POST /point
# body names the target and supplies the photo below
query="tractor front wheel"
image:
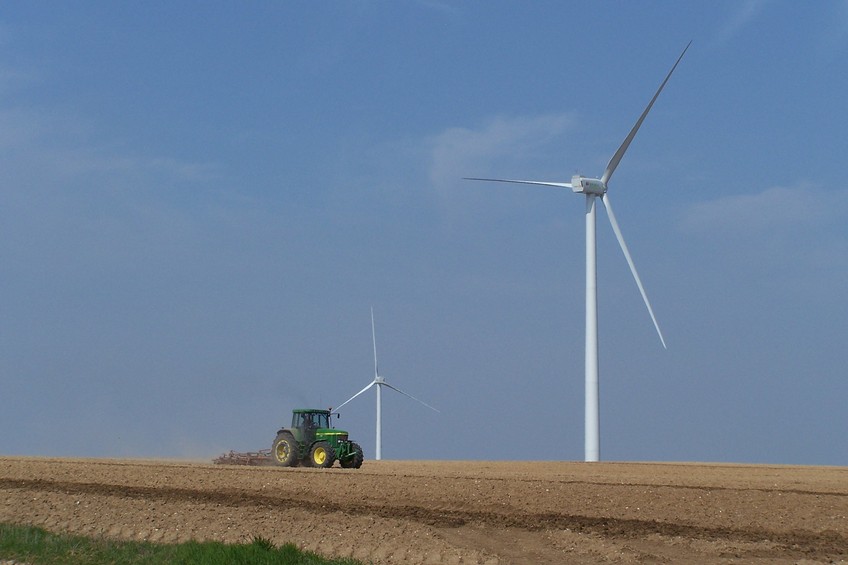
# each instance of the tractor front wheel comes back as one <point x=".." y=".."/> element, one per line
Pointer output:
<point x="354" y="461"/>
<point x="284" y="450"/>
<point x="322" y="455"/>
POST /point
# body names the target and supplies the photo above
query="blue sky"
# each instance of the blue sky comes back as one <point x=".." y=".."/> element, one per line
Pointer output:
<point x="199" y="204"/>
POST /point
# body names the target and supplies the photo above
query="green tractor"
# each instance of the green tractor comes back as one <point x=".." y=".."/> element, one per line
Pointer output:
<point x="313" y="442"/>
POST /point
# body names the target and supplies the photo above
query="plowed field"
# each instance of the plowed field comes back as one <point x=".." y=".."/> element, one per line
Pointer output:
<point x="451" y="512"/>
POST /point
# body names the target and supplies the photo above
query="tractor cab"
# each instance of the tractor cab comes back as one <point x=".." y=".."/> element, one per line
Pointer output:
<point x="310" y="419"/>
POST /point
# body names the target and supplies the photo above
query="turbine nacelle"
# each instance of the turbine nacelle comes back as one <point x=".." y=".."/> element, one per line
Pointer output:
<point x="588" y="186"/>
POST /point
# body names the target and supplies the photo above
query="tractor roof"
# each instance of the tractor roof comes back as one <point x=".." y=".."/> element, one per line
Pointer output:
<point x="310" y="410"/>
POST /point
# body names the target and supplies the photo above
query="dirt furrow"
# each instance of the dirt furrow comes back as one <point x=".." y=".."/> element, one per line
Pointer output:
<point x="798" y="543"/>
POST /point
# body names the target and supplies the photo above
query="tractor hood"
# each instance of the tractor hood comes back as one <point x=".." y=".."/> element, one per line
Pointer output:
<point x="331" y="433"/>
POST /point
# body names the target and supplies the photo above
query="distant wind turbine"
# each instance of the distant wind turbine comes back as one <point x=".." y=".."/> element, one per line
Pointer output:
<point x="380" y="382"/>
<point x="593" y="188"/>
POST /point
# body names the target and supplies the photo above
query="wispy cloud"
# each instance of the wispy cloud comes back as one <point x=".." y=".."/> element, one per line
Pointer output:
<point x="65" y="144"/>
<point x="65" y="147"/>
<point x="775" y="208"/>
<point x="745" y="13"/>
<point x="459" y="152"/>
<point x="19" y="128"/>
<point x="85" y="161"/>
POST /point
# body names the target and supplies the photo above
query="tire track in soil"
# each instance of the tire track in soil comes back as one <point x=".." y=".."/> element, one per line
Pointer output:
<point x="796" y="543"/>
<point x="698" y="488"/>
<point x="518" y="479"/>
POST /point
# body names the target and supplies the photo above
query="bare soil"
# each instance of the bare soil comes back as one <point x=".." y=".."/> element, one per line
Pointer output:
<point x="451" y="512"/>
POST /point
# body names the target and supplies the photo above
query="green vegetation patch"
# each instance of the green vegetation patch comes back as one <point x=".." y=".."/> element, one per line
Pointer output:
<point x="31" y="545"/>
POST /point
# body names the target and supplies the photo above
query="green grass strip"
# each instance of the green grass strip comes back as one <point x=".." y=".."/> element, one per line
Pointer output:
<point x="31" y="545"/>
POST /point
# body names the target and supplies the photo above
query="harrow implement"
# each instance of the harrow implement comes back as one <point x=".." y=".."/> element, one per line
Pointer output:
<point x="254" y="458"/>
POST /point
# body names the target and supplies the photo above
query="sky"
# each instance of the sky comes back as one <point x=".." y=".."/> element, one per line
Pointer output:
<point x="200" y="203"/>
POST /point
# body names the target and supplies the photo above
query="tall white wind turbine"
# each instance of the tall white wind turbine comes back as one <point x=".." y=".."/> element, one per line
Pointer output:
<point x="380" y="382"/>
<point x="597" y="188"/>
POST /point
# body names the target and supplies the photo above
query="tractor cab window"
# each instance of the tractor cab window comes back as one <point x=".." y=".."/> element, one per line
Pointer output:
<point x="309" y="420"/>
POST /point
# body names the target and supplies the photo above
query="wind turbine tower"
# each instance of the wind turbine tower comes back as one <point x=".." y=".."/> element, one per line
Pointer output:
<point x="594" y="189"/>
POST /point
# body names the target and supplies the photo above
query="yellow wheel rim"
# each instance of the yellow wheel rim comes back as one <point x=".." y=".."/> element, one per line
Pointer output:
<point x="319" y="456"/>
<point x="282" y="451"/>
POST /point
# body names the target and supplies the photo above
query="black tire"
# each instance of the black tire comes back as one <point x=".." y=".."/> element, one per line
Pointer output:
<point x="354" y="462"/>
<point x="322" y="455"/>
<point x="284" y="450"/>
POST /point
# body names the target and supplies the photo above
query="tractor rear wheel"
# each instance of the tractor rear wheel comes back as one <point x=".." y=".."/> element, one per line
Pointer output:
<point x="354" y="462"/>
<point x="284" y="450"/>
<point x="322" y="455"/>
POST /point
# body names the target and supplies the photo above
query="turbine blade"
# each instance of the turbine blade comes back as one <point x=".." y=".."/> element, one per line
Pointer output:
<point x="374" y="341"/>
<point x="537" y="182"/>
<point x="384" y="383"/>
<point x="611" y="166"/>
<point x="355" y="395"/>
<point x="627" y="256"/>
